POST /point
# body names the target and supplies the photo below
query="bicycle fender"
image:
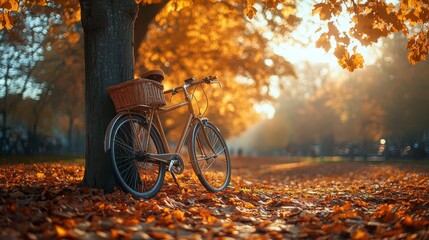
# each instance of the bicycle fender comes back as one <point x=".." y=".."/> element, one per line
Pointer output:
<point x="206" y="120"/>
<point x="109" y="131"/>
<point x="110" y="128"/>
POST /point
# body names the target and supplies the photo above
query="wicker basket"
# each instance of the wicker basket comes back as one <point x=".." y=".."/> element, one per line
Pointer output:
<point x="138" y="92"/>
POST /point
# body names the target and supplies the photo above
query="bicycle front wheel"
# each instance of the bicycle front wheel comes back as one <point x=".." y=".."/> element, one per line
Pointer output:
<point x="129" y="144"/>
<point x="210" y="157"/>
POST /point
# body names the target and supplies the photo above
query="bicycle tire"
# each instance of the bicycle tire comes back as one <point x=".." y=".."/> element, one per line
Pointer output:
<point x="142" y="179"/>
<point x="214" y="173"/>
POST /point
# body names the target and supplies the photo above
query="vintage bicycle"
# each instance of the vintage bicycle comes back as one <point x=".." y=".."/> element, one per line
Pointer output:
<point x="137" y="145"/>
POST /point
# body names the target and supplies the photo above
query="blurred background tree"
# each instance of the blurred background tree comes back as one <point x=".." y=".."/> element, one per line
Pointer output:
<point x="229" y="46"/>
<point x="30" y="45"/>
<point x="349" y="114"/>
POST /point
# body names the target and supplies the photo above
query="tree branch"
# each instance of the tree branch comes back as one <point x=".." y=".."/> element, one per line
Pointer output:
<point x="147" y="13"/>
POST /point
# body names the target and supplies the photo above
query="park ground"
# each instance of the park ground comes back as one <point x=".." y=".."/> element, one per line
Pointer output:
<point x="268" y="198"/>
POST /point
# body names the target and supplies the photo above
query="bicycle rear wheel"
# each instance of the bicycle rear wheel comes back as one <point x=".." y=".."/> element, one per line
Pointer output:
<point x="128" y="141"/>
<point x="212" y="168"/>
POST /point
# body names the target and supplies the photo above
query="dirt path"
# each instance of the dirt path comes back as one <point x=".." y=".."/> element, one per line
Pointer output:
<point x="239" y="162"/>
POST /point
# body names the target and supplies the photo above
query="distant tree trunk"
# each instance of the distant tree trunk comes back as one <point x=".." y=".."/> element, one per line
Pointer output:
<point x="70" y="131"/>
<point x="108" y="34"/>
<point x="3" y="123"/>
<point x="5" y="103"/>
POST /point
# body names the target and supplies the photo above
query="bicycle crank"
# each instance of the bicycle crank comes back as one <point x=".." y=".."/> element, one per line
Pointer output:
<point x="176" y="165"/>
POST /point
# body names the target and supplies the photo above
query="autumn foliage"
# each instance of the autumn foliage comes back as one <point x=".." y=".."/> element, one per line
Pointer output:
<point x="276" y="200"/>
<point x="349" y="23"/>
<point x="354" y="23"/>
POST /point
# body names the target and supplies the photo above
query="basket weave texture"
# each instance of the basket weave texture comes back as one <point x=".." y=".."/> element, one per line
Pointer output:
<point x="138" y="92"/>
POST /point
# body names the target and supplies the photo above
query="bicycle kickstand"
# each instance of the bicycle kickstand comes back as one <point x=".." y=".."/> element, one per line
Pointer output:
<point x="175" y="180"/>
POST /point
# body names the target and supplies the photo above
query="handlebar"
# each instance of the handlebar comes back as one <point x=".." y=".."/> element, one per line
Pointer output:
<point x="208" y="80"/>
<point x="191" y="82"/>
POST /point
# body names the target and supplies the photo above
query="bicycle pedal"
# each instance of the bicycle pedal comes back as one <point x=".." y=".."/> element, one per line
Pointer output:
<point x="171" y="165"/>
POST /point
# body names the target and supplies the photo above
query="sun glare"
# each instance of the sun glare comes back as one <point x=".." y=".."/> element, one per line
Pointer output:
<point x="301" y="49"/>
<point x="266" y="110"/>
<point x="298" y="54"/>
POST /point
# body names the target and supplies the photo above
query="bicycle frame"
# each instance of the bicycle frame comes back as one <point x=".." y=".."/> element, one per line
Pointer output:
<point x="192" y="118"/>
<point x="154" y="121"/>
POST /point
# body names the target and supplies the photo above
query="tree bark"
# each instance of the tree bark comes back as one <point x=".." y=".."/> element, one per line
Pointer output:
<point x="108" y="35"/>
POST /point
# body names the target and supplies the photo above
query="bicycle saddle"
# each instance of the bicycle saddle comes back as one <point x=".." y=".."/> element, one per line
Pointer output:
<point x="157" y="75"/>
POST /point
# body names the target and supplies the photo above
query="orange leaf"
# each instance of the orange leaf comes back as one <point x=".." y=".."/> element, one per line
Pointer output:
<point x="8" y="21"/>
<point x="179" y="215"/>
<point x="360" y="234"/>
<point x="205" y="213"/>
<point x="131" y="222"/>
<point x="150" y="219"/>
<point x="160" y="235"/>
<point x="323" y="9"/>
<point x="323" y="42"/>
<point x="408" y="221"/>
<point x="250" y="12"/>
<point x="207" y="217"/>
<point x="335" y="227"/>
<point x="63" y="233"/>
<point x="11" y="5"/>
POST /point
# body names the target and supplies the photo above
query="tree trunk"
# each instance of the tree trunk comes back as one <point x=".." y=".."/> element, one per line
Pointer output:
<point x="108" y="34"/>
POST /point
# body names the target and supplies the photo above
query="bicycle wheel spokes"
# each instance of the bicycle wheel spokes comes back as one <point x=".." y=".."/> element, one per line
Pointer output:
<point x="129" y="139"/>
<point x="211" y="158"/>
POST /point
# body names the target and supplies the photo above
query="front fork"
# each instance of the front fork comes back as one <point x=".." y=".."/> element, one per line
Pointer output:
<point x="202" y="122"/>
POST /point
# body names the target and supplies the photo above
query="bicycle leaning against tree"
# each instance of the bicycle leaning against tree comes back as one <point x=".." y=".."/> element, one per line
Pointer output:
<point x="136" y="144"/>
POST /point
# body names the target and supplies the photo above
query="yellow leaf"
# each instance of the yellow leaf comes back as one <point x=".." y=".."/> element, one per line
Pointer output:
<point x="413" y="3"/>
<point x="40" y="175"/>
<point x="249" y="205"/>
<point x="358" y="60"/>
<point x="61" y="232"/>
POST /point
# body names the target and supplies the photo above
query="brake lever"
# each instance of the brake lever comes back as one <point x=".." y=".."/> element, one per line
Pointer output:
<point x="217" y="82"/>
<point x="174" y="91"/>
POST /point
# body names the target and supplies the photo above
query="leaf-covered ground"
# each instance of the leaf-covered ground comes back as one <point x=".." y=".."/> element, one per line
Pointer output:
<point x="267" y="199"/>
